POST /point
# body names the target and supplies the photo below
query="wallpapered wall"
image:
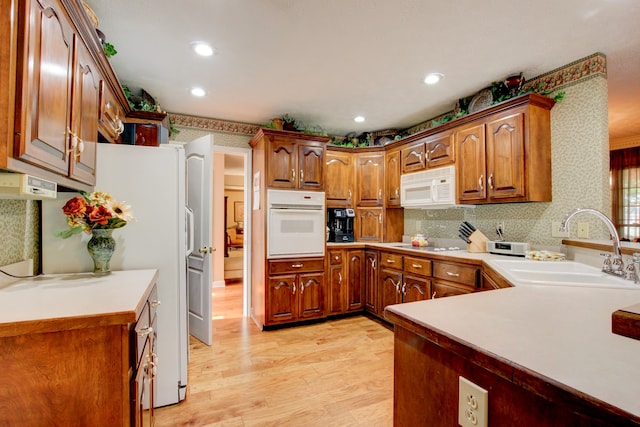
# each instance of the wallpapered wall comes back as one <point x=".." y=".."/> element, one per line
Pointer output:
<point x="20" y="231"/>
<point x="580" y="176"/>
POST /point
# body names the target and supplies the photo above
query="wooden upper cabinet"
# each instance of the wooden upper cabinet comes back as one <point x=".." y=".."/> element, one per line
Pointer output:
<point x="471" y="167"/>
<point x="111" y="115"/>
<point x="339" y="179"/>
<point x="392" y="159"/>
<point x="369" y="225"/>
<point x="294" y="163"/>
<point x="44" y="90"/>
<point x="440" y="149"/>
<point x="370" y="178"/>
<point x="414" y="157"/>
<point x="84" y="114"/>
<point x="506" y="155"/>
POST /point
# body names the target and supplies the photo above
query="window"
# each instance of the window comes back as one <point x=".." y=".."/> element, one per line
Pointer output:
<point x="625" y="191"/>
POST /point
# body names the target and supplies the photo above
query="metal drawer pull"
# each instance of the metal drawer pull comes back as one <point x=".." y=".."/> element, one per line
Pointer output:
<point x="416" y="265"/>
<point x="453" y="274"/>
<point x="390" y="261"/>
<point x="297" y="265"/>
<point x="145" y="331"/>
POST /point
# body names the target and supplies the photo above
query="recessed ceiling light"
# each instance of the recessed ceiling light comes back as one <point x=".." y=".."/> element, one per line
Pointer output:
<point x="433" y="78"/>
<point x="202" y="49"/>
<point x="358" y="119"/>
<point x="196" y="91"/>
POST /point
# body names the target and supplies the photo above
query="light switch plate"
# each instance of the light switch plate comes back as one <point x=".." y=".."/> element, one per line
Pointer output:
<point x="473" y="404"/>
<point x="555" y="230"/>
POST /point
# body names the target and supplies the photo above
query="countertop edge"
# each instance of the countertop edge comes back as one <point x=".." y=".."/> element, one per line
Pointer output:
<point x="543" y="386"/>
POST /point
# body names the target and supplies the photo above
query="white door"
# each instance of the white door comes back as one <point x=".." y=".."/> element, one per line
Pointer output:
<point x="199" y="158"/>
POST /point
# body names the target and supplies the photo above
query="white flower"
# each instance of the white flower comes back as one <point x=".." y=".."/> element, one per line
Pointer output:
<point x="121" y="210"/>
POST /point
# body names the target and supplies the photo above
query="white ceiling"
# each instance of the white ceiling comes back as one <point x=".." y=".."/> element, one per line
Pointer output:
<point x="324" y="62"/>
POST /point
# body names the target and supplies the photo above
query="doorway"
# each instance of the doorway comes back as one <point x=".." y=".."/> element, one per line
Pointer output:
<point x="234" y="205"/>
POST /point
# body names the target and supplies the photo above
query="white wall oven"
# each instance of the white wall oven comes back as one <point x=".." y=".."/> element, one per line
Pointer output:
<point x="295" y="223"/>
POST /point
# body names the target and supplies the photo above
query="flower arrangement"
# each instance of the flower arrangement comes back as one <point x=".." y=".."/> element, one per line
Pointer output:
<point x="97" y="210"/>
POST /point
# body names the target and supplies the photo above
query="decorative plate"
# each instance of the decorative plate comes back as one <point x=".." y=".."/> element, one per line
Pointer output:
<point x="483" y="99"/>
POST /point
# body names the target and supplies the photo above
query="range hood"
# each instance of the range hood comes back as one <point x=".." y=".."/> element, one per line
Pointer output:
<point x="21" y="186"/>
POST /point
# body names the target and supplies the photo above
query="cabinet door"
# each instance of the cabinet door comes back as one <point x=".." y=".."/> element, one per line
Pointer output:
<point x="505" y="157"/>
<point x="440" y="290"/>
<point x="282" y="298"/>
<point x="415" y="289"/>
<point x="370" y="178"/>
<point x="371" y="281"/>
<point x="44" y="90"/>
<point x="110" y="115"/>
<point x="355" y="282"/>
<point x="368" y="224"/>
<point x="390" y="288"/>
<point x="339" y="182"/>
<point x="440" y="150"/>
<point x="282" y="163"/>
<point x="393" y="179"/>
<point x="84" y="117"/>
<point x="470" y="146"/>
<point x="414" y="157"/>
<point x="310" y="167"/>
<point x="336" y="292"/>
<point x="311" y="297"/>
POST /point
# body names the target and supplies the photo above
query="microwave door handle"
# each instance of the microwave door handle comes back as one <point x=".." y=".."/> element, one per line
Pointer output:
<point x="190" y="229"/>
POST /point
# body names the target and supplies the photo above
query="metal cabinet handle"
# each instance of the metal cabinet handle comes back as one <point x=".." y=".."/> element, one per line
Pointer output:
<point x="145" y="331"/>
<point x="336" y="257"/>
<point x="434" y="294"/>
<point x="404" y="288"/>
<point x="350" y="194"/>
<point x="301" y="176"/>
<point x="297" y="265"/>
<point x="449" y="273"/>
<point x="293" y="174"/>
<point x="416" y="265"/>
<point x="397" y="192"/>
<point x="380" y="193"/>
<point x="340" y="278"/>
<point x="481" y="182"/>
<point x="428" y="154"/>
<point x="301" y="287"/>
<point x="294" y="288"/>
<point x="490" y="181"/>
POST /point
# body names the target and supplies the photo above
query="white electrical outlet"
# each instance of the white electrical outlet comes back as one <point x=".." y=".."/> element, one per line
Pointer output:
<point x="583" y="230"/>
<point x="473" y="404"/>
<point x="555" y="230"/>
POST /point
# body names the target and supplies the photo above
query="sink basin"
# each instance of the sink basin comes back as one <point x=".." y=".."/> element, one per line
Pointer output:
<point x="558" y="273"/>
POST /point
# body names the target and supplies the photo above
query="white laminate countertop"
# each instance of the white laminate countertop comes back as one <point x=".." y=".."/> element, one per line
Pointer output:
<point x="68" y="296"/>
<point x="562" y="333"/>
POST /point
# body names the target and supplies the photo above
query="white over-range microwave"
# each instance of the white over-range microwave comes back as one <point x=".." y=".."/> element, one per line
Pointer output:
<point x="429" y="189"/>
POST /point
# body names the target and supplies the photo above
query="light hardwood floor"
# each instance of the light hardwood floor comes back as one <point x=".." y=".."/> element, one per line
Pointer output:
<point x="336" y="373"/>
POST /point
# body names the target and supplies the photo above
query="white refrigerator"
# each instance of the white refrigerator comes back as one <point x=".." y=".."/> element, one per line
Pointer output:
<point x="152" y="181"/>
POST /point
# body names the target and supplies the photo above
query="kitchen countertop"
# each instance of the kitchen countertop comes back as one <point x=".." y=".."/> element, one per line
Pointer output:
<point x="561" y="335"/>
<point x="70" y="301"/>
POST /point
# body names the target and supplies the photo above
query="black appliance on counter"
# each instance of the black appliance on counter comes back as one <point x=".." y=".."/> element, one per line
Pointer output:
<point x="340" y="223"/>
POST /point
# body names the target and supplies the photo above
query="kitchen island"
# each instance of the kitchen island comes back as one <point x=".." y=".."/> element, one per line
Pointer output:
<point x="545" y="354"/>
<point x="71" y="347"/>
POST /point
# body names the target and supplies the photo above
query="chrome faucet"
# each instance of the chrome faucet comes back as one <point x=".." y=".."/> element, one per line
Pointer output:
<point x="615" y="267"/>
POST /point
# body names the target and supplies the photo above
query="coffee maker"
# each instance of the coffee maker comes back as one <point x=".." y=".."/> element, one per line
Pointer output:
<point x="340" y="223"/>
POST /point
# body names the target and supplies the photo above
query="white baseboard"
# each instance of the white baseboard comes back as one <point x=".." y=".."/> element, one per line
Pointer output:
<point x="218" y="284"/>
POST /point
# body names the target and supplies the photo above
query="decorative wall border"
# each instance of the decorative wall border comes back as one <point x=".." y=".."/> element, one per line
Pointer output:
<point x="570" y="74"/>
<point x="215" y="125"/>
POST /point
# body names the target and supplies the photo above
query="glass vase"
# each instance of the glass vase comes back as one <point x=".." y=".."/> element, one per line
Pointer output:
<point x="101" y="247"/>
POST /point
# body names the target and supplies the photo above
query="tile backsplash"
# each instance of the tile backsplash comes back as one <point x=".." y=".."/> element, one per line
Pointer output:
<point x="19" y="231"/>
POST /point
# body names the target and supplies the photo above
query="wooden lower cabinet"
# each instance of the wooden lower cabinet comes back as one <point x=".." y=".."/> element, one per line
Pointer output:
<point x="451" y="278"/>
<point x="346" y="285"/>
<point x="81" y="375"/>
<point x="426" y="376"/>
<point x="414" y="288"/>
<point x="371" y="281"/>
<point x="295" y="290"/>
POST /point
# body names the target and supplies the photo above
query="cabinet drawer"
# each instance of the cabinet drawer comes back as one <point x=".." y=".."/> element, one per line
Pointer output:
<point x="419" y="266"/>
<point x="296" y="265"/>
<point x="440" y="290"/>
<point x="335" y="257"/>
<point x="390" y="260"/>
<point x="140" y="335"/>
<point x="463" y="274"/>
